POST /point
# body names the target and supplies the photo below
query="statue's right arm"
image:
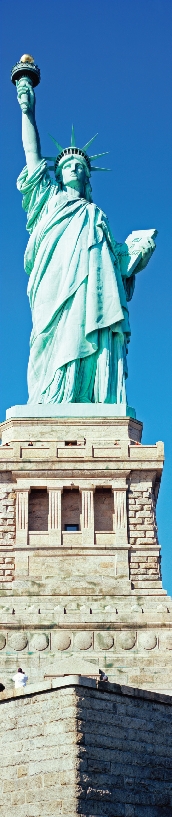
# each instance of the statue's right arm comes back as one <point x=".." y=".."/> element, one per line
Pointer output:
<point x="30" y="135"/>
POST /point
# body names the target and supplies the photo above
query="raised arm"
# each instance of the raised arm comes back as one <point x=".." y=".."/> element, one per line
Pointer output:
<point x="30" y="135"/>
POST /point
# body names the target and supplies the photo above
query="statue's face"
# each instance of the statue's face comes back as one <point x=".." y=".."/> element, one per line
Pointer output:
<point x="74" y="174"/>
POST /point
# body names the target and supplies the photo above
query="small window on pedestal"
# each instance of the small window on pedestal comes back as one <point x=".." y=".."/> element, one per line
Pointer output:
<point x="71" y="527"/>
<point x="70" y="442"/>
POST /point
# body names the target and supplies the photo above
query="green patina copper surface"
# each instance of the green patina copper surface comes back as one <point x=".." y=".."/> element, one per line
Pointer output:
<point x="80" y="278"/>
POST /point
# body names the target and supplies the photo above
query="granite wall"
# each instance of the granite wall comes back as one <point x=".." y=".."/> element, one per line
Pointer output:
<point x="74" y="748"/>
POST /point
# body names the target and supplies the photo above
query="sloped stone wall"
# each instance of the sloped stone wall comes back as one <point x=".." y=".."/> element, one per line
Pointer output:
<point x="125" y="753"/>
<point x="74" y="748"/>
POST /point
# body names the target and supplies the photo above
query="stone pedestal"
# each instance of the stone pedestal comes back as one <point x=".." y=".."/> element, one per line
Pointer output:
<point x="80" y="578"/>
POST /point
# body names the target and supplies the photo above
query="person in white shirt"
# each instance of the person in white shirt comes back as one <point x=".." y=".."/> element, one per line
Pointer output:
<point x="20" y="679"/>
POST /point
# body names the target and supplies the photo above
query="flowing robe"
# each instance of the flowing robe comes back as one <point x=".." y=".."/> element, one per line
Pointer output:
<point x="77" y="296"/>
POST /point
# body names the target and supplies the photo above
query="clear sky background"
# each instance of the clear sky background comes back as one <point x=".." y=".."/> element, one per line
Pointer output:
<point x="106" y="67"/>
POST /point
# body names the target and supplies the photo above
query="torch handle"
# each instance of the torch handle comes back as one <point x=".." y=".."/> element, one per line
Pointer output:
<point x="25" y="94"/>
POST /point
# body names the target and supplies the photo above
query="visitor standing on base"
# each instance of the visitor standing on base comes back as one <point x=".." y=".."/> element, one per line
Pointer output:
<point x="20" y="679"/>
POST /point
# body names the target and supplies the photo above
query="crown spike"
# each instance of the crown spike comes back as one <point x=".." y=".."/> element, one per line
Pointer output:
<point x="59" y="147"/>
<point x="97" y="155"/>
<point x="89" y="143"/>
<point x="100" y="168"/>
<point x="73" y="141"/>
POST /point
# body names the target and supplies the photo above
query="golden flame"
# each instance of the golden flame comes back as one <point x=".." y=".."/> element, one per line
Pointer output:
<point x="27" y="58"/>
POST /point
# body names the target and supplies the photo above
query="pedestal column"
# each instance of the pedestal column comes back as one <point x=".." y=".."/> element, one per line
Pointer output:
<point x="87" y="516"/>
<point x="22" y="518"/>
<point x="54" y="516"/>
<point x="120" y="516"/>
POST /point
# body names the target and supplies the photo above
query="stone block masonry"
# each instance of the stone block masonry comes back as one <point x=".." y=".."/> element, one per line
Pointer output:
<point x="73" y="747"/>
<point x="7" y="530"/>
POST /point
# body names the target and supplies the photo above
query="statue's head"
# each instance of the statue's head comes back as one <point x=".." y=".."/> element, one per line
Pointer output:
<point x="72" y="169"/>
<point x="73" y="166"/>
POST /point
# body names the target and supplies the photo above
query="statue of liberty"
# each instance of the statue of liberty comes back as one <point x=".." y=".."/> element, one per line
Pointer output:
<point x="80" y="278"/>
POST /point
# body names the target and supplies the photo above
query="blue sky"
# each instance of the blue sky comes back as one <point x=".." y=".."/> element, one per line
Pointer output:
<point x="105" y="67"/>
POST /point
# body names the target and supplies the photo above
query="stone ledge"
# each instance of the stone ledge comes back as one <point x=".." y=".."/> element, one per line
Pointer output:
<point x="84" y="681"/>
<point x="70" y="410"/>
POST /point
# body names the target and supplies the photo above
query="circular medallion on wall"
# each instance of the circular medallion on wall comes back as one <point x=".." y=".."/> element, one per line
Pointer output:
<point x="17" y="641"/>
<point x="61" y="641"/>
<point x="40" y="642"/>
<point x="166" y="640"/>
<point x="2" y="641"/>
<point x="104" y="641"/>
<point x="83" y="641"/>
<point x="126" y="640"/>
<point x="147" y="641"/>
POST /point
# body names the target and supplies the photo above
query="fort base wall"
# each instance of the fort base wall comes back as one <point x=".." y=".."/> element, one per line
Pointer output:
<point x="76" y="748"/>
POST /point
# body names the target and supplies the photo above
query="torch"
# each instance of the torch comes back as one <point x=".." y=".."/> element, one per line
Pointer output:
<point x="26" y="68"/>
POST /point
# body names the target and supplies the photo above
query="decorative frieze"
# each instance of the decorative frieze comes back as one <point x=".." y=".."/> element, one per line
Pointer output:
<point x="117" y="640"/>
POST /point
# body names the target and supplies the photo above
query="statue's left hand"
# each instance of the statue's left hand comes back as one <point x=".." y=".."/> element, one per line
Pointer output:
<point x="148" y="245"/>
<point x="140" y="245"/>
<point x="147" y="248"/>
<point x="25" y="95"/>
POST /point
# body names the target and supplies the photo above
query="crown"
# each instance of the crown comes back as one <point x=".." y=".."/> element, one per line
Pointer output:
<point x="73" y="150"/>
